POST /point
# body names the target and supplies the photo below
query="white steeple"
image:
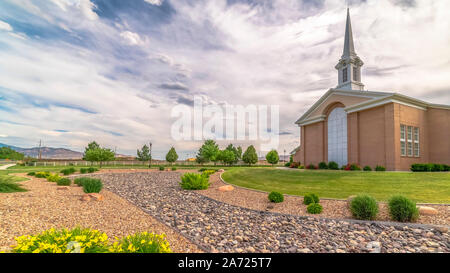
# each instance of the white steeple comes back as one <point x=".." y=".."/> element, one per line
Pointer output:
<point x="349" y="66"/>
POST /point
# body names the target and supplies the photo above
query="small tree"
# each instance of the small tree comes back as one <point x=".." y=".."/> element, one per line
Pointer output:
<point x="272" y="157"/>
<point x="209" y="152"/>
<point x="234" y="150"/>
<point x="250" y="157"/>
<point x="228" y="157"/>
<point x="144" y="154"/>
<point x="239" y="153"/>
<point x="91" y="146"/>
<point x="99" y="155"/>
<point x="171" y="155"/>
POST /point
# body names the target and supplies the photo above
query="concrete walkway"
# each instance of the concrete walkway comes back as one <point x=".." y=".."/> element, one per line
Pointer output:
<point x="4" y="167"/>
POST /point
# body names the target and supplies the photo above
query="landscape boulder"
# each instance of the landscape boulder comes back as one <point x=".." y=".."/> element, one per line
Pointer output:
<point x="226" y="188"/>
<point x="423" y="210"/>
<point x="92" y="196"/>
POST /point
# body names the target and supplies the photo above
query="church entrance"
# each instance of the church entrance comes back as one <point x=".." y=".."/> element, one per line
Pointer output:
<point x="337" y="136"/>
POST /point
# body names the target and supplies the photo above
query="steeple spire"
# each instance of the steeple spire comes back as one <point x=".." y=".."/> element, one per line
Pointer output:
<point x="349" y="66"/>
<point x="349" y="47"/>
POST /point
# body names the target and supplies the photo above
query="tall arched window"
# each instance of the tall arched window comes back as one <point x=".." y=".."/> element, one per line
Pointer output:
<point x="337" y="136"/>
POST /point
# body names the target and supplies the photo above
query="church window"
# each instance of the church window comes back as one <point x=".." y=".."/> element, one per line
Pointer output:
<point x="403" y="140"/>
<point x="409" y="141"/>
<point x="344" y="75"/>
<point x="416" y="142"/>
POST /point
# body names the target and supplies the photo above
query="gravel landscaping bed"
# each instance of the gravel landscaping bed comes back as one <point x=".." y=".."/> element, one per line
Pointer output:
<point x="44" y="207"/>
<point x="336" y="209"/>
<point x="219" y="227"/>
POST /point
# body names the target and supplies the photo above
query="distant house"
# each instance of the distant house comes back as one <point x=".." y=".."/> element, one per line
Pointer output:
<point x="351" y="125"/>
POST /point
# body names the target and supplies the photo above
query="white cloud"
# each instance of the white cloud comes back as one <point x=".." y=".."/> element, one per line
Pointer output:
<point x="86" y="7"/>
<point x="5" y="26"/>
<point x="154" y="2"/>
<point x="131" y="38"/>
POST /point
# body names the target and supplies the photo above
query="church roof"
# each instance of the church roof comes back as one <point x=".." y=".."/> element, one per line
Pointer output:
<point x="375" y="99"/>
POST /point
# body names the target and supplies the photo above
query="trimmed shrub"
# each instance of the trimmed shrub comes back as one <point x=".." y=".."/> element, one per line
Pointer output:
<point x="80" y="180"/>
<point x="314" y="208"/>
<point x="430" y="167"/>
<point x="364" y="207"/>
<point x="64" y="182"/>
<point x="333" y="165"/>
<point x="208" y="172"/>
<point x="92" y="170"/>
<point x="311" y="167"/>
<point x="63" y="241"/>
<point x="301" y="167"/>
<point x="352" y="167"/>
<point x="379" y="168"/>
<point x="174" y="168"/>
<point x="310" y="198"/>
<point x="323" y="166"/>
<point x="294" y="165"/>
<point x="92" y="185"/>
<point x="402" y="209"/>
<point x="68" y="171"/>
<point x="202" y="169"/>
<point x="367" y="169"/>
<point x="53" y="178"/>
<point x="194" y="181"/>
<point x="276" y="197"/>
<point x="42" y="174"/>
<point x="142" y="242"/>
<point x="84" y="170"/>
<point x="31" y="173"/>
<point x="287" y="164"/>
<point x="161" y="168"/>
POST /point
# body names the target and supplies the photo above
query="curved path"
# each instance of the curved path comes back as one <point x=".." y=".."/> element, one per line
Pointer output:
<point x="4" y="167"/>
<point x="217" y="226"/>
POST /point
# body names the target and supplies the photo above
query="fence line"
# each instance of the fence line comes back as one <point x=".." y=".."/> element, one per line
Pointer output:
<point x="126" y="163"/>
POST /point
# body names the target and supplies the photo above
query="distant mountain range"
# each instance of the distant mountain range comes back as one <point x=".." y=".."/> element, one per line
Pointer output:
<point x="47" y="152"/>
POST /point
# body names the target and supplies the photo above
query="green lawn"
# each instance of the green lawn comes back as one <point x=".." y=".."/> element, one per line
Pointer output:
<point x="420" y="187"/>
<point x="8" y="183"/>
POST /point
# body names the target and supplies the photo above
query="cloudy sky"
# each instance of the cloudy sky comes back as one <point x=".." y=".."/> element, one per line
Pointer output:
<point x="72" y="71"/>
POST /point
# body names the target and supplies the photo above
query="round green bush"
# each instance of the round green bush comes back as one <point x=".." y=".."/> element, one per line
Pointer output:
<point x="92" y="185"/>
<point x="314" y="208"/>
<point x="92" y="170"/>
<point x="53" y="177"/>
<point x="380" y="169"/>
<point x="323" y="166"/>
<point x="276" y="197"/>
<point x="161" y="168"/>
<point x="31" y="173"/>
<point x="64" y="182"/>
<point x="402" y="209"/>
<point x="367" y="169"/>
<point x="174" y="168"/>
<point x="83" y="170"/>
<point x="333" y="165"/>
<point x="364" y="207"/>
<point x="310" y="198"/>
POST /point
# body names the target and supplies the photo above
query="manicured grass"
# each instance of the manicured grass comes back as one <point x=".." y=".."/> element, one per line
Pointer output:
<point x="420" y="187"/>
<point x="8" y="183"/>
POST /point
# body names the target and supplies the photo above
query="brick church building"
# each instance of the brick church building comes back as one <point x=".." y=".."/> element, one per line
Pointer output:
<point x="351" y="125"/>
